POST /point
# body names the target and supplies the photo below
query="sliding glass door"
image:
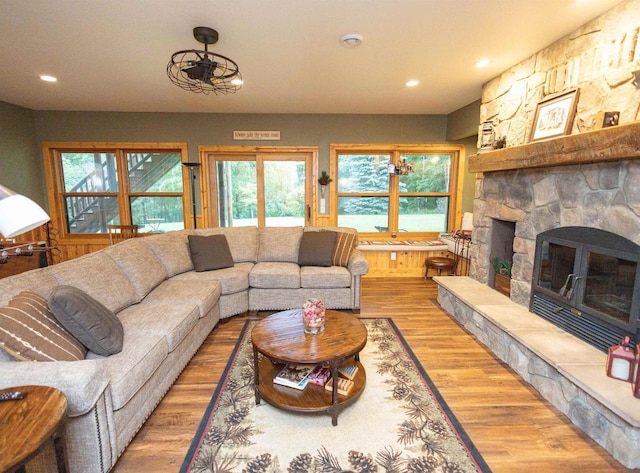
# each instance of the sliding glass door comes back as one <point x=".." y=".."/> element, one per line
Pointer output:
<point x="261" y="189"/>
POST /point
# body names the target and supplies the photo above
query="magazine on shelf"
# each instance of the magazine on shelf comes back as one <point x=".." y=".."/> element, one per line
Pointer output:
<point x="320" y="375"/>
<point x="344" y="386"/>
<point x="348" y="371"/>
<point x="294" y="376"/>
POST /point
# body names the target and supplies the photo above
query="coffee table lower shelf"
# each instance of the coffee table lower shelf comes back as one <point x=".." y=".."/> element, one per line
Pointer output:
<point x="313" y="399"/>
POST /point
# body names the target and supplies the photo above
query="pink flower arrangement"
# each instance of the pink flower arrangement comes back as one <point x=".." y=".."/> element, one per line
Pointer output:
<point x="313" y="316"/>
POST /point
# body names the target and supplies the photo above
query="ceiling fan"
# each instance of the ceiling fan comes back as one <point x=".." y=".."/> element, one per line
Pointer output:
<point x="203" y="71"/>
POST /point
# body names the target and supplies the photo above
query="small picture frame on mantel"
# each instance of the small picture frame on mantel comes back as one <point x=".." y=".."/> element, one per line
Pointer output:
<point x="554" y="116"/>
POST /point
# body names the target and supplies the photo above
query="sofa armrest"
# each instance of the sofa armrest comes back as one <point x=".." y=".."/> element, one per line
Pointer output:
<point x="82" y="382"/>
<point x="358" y="264"/>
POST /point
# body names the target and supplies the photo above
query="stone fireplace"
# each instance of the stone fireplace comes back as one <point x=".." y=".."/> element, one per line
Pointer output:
<point x="588" y="178"/>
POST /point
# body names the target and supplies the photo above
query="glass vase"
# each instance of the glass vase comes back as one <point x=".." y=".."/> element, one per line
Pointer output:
<point x="313" y="316"/>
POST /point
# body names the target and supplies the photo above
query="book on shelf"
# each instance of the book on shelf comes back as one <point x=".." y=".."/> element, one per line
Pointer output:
<point x="344" y="386"/>
<point x="320" y="375"/>
<point x="294" y="376"/>
<point x="348" y="371"/>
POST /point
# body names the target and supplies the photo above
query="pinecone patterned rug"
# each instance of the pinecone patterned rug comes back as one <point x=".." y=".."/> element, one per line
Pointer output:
<point x="400" y="423"/>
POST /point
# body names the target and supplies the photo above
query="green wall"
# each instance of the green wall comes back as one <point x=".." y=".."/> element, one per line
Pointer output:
<point x="211" y="129"/>
<point x="21" y="167"/>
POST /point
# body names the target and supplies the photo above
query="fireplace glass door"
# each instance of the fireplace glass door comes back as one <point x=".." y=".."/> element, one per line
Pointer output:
<point x="609" y="284"/>
<point x="557" y="269"/>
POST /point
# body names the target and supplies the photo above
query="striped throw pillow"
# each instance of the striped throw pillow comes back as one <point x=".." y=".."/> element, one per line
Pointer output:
<point x="30" y="332"/>
<point x="345" y="243"/>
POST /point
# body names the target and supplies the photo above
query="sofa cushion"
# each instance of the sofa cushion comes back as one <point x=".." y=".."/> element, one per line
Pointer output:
<point x="100" y="277"/>
<point x="345" y="243"/>
<point x="209" y="252"/>
<point x="204" y="295"/>
<point x="243" y="241"/>
<point x="40" y="281"/>
<point x="130" y="369"/>
<point x="318" y="277"/>
<point x="173" y="322"/>
<point x="271" y="275"/>
<point x="139" y="263"/>
<point x="87" y="319"/>
<point x="232" y="280"/>
<point x="172" y="249"/>
<point x="30" y="332"/>
<point x="316" y="248"/>
<point x="279" y="244"/>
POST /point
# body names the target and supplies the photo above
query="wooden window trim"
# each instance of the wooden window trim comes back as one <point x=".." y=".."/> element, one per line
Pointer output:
<point x="51" y="151"/>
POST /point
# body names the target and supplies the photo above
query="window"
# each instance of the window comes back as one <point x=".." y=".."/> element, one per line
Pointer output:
<point x="374" y="199"/>
<point x="101" y="185"/>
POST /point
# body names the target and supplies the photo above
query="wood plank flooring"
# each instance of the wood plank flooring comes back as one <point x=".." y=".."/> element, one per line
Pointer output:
<point x="512" y="426"/>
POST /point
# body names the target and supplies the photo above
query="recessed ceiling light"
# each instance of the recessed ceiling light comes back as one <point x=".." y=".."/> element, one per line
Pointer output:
<point x="48" y="78"/>
<point x="482" y="63"/>
<point x="351" y="40"/>
<point x="412" y="83"/>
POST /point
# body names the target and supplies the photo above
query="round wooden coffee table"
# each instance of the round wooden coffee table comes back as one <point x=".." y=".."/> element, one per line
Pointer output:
<point x="28" y="424"/>
<point x="281" y="339"/>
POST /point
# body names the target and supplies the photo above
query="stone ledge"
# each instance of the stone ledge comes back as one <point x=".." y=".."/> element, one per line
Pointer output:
<point x="566" y="371"/>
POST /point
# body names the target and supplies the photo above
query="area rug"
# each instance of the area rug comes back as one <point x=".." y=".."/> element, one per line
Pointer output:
<point x="400" y="423"/>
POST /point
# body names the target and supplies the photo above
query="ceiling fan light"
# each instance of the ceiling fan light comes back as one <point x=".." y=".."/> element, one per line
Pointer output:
<point x="203" y="71"/>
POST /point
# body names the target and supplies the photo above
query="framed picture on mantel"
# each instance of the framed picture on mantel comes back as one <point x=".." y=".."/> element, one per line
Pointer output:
<point x="554" y="116"/>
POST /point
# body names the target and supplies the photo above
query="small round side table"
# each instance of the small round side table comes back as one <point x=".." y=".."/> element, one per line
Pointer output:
<point x="27" y="425"/>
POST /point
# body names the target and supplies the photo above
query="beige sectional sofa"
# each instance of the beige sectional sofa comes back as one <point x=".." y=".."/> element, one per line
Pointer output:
<point x="167" y="310"/>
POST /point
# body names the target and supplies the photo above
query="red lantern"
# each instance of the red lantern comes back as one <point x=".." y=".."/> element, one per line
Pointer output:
<point x="621" y="361"/>
<point x="636" y="378"/>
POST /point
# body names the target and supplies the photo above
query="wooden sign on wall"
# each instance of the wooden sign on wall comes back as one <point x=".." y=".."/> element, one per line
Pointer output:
<point x="256" y="135"/>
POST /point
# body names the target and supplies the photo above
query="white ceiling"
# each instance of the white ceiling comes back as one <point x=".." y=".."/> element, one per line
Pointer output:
<point x="111" y="55"/>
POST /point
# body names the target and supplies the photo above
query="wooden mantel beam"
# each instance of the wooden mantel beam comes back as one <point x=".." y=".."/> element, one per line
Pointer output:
<point x="607" y="144"/>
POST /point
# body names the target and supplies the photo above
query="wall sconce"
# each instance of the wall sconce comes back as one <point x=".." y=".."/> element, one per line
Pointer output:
<point x="401" y="169"/>
<point x="19" y="214"/>
<point x="621" y="361"/>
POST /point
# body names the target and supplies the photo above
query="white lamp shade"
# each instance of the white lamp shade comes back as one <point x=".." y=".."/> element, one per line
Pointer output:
<point x="19" y="214"/>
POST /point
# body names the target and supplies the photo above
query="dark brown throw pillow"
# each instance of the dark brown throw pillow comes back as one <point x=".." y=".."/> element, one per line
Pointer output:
<point x="316" y="248"/>
<point x="210" y="252"/>
<point x="88" y="320"/>
<point x="345" y="243"/>
<point x="30" y="332"/>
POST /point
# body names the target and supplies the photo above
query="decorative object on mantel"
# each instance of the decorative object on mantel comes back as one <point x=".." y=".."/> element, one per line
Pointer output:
<point x="621" y="361"/>
<point x="636" y="79"/>
<point x="203" y="71"/>
<point x="486" y="137"/>
<point x="610" y="119"/>
<point x="313" y="316"/>
<point x="324" y="180"/>
<point x="554" y="116"/>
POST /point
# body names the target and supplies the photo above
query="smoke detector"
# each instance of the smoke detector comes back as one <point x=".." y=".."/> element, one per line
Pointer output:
<point x="351" y="40"/>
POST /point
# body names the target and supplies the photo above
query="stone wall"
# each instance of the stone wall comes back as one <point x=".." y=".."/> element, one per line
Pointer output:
<point x="599" y="59"/>
<point x="605" y="196"/>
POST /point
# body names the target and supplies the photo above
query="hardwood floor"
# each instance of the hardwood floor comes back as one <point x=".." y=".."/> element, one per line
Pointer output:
<point x="512" y="426"/>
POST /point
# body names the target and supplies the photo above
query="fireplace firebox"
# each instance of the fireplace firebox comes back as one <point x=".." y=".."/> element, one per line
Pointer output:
<point x="586" y="281"/>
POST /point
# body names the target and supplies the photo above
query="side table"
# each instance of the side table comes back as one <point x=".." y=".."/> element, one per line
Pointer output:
<point x="27" y="425"/>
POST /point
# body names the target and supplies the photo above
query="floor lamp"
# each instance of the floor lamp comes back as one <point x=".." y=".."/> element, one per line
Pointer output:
<point x="192" y="177"/>
<point x="19" y="214"/>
